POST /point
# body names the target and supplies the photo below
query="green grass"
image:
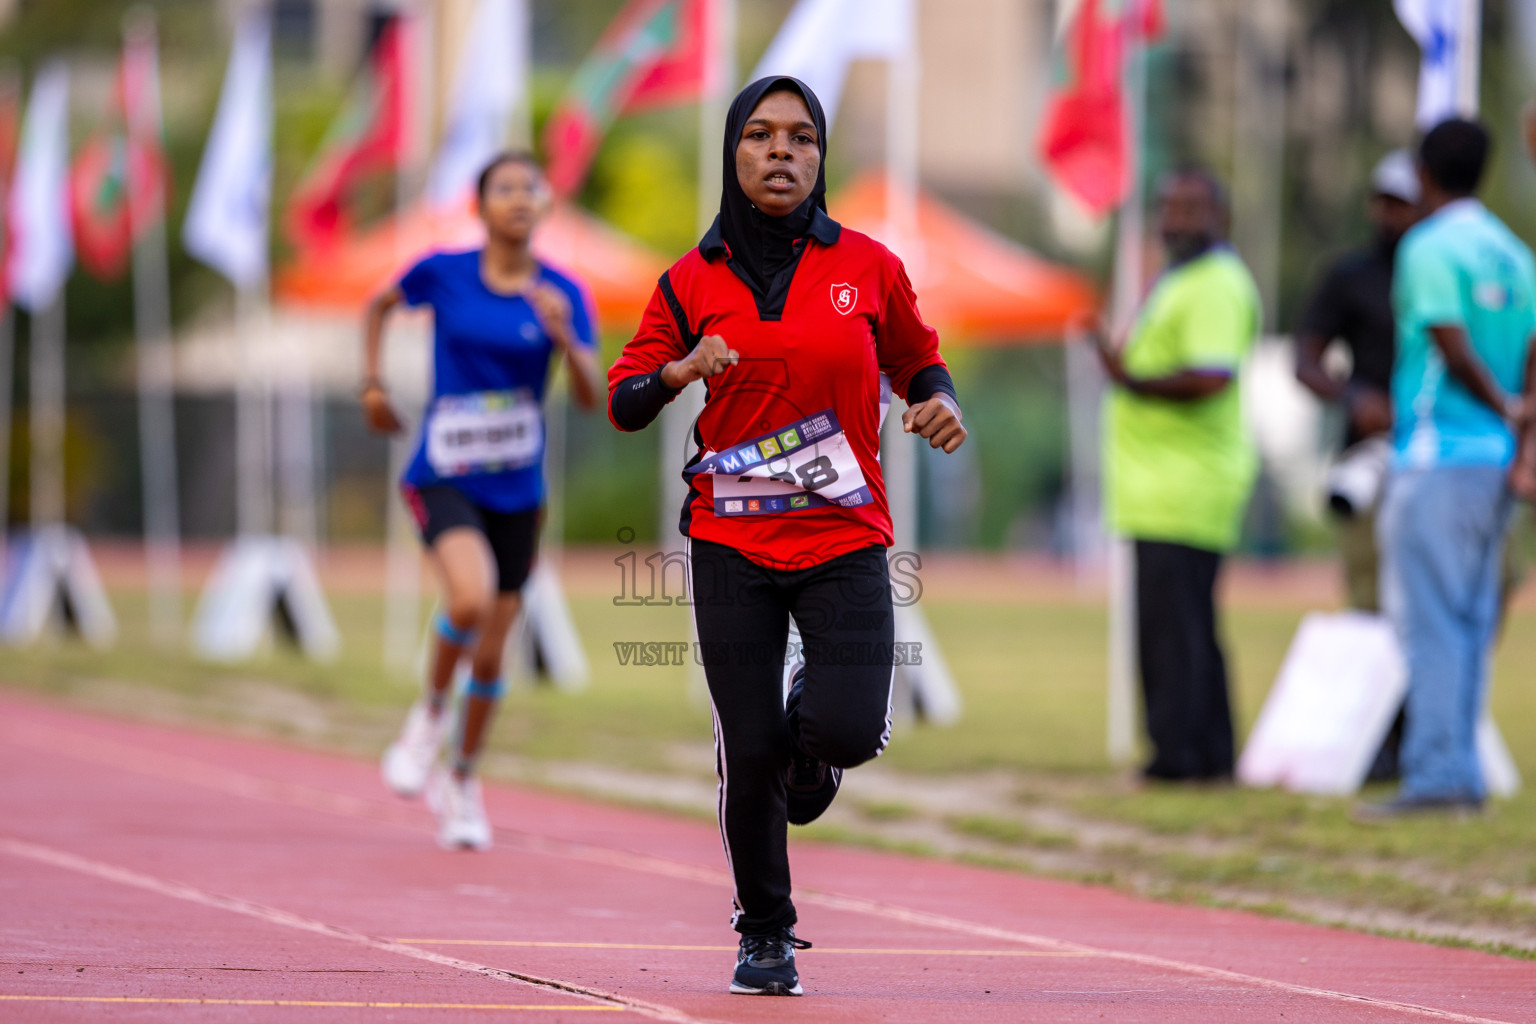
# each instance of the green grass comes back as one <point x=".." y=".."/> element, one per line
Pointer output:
<point x="1010" y="831"/>
<point x="887" y="810"/>
<point x="1032" y="676"/>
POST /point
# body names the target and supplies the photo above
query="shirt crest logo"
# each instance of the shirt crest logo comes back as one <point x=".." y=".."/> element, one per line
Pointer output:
<point x="844" y="297"/>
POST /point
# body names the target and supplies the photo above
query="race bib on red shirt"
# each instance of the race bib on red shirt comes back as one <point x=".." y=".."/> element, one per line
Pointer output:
<point x="802" y="465"/>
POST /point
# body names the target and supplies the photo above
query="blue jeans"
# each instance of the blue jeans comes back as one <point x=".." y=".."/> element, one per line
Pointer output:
<point x="1441" y="533"/>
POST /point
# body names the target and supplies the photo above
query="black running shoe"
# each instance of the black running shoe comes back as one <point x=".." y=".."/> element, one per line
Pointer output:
<point x="765" y="965"/>
<point x="811" y="783"/>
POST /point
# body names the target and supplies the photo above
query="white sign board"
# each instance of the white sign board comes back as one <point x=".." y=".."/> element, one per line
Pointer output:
<point x="261" y="580"/>
<point x="1337" y="694"/>
<point x="49" y="578"/>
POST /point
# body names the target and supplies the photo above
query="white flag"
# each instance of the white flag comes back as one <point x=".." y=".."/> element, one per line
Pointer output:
<point x="1437" y="26"/>
<point x="42" y="249"/>
<point x="226" y="225"/>
<point x="820" y="38"/>
<point x="492" y="77"/>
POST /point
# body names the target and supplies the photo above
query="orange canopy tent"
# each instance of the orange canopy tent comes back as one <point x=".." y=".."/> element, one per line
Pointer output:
<point x="977" y="286"/>
<point x="971" y="282"/>
<point x="619" y="272"/>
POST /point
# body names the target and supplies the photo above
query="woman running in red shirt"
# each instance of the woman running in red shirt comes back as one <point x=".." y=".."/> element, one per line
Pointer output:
<point x="801" y="330"/>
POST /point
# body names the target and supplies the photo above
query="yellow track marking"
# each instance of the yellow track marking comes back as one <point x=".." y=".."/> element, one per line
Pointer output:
<point x="272" y="915"/>
<point x="202" y="772"/>
<point x="161" y="1001"/>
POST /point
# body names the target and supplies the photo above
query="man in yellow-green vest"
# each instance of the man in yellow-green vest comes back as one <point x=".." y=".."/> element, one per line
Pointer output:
<point x="1180" y="466"/>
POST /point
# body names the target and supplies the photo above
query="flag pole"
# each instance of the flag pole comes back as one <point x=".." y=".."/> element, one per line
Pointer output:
<point x="719" y="82"/>
<point x="10" y="95"/>
<point x="43" y="162"/>
<point x="901" y="174"/>
<point x="402" y="560"/>
<point x="7" y="393"/>
<point x="47" y="416"/>
<point x="557" y="402"/>
<point x="544" y="643"/>
<point x="1258" y="179"/>
<point x="227" y="227"/>
<point x="927" y="687"/>
<point x="156" y="359"/>
<point x="252" y="487"/>
<point x="720" y="77"/>
<point x="52" y="570"/>
<point x="522" y="109"/>
<point x="1469" y="46"/>
<point x="293" y="439"/>
<point x="904" y="72"/>
<point x="1129" y="271"/>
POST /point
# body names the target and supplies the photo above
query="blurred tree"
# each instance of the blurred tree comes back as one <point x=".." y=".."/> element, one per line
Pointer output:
<point x="645" y="183"/>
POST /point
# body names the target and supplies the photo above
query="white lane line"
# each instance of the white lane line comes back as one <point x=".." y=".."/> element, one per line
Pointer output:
<point x="857" y="905"/>
<point x="891" y="912"/>
<point x="272" y="915"/>
<point x="345" y="1004"/>
<point x="815" y="950"/>
<point x="209" y="775"/>
<point x="182" y="769"/>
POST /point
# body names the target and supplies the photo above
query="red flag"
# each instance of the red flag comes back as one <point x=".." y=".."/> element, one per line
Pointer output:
<point x="1083" y="134"/>
<point x="653" y="54"/>
<point x="367" y="138"/>
<point x="126" y="153"/>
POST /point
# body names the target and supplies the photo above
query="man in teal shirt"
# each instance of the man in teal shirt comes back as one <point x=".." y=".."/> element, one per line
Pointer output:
<point x="1464" y="297"/>
<point x="1180" y="468"/>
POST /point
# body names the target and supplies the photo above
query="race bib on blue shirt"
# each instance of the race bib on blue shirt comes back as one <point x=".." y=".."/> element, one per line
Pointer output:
<point x="485" y="432"/>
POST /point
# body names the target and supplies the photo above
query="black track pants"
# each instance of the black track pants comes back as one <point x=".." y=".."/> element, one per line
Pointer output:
<point x="1183" y="672"/>
<point x="843" y="610"/>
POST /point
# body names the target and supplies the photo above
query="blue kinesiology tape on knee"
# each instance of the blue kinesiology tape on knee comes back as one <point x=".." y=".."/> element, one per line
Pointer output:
<point x="449" y="632"/>
<point x="485" y="689"/>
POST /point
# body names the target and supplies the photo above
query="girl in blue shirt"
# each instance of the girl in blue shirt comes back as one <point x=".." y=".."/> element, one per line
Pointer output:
<point x="476" y="482"/>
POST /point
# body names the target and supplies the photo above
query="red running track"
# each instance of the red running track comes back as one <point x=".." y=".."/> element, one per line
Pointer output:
<point x="148" y="874"/>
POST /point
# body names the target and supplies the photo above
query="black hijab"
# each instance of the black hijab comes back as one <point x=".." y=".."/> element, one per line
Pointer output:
<point x="762" y="248"/>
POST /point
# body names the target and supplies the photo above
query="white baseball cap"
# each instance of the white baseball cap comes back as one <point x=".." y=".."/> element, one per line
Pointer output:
<point x="1395" y="175"/>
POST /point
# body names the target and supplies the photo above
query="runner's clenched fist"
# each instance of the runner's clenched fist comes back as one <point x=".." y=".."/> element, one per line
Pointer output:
<point x="711" y="356"/>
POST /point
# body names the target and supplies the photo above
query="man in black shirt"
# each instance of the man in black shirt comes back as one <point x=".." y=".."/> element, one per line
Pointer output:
<point x="1353" y="304"/>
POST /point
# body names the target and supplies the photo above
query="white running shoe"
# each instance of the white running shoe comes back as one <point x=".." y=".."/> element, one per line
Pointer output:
<point x="460" y="810"/>
<point x="409" y="759"/>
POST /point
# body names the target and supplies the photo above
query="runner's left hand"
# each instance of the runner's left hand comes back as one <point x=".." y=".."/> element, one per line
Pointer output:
<point x="554" y="312"/>
<point x="937" y="419"/>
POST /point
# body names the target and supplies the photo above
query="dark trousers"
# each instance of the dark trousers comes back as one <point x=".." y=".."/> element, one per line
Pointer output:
<point x="741" y="611"/>
<point x="1183" y="672"/>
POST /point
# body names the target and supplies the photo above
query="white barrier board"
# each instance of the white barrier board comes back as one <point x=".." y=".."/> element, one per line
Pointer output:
<point x="261" y="580"/>
<point x="50" y="577"/>
<point x="1340" y="687"/>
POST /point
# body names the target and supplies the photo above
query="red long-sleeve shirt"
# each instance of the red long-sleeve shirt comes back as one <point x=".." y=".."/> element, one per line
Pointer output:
<point x="850" y="316"/>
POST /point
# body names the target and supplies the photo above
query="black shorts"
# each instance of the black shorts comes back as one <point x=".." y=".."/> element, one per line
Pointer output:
<point x="513" y="536"/>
